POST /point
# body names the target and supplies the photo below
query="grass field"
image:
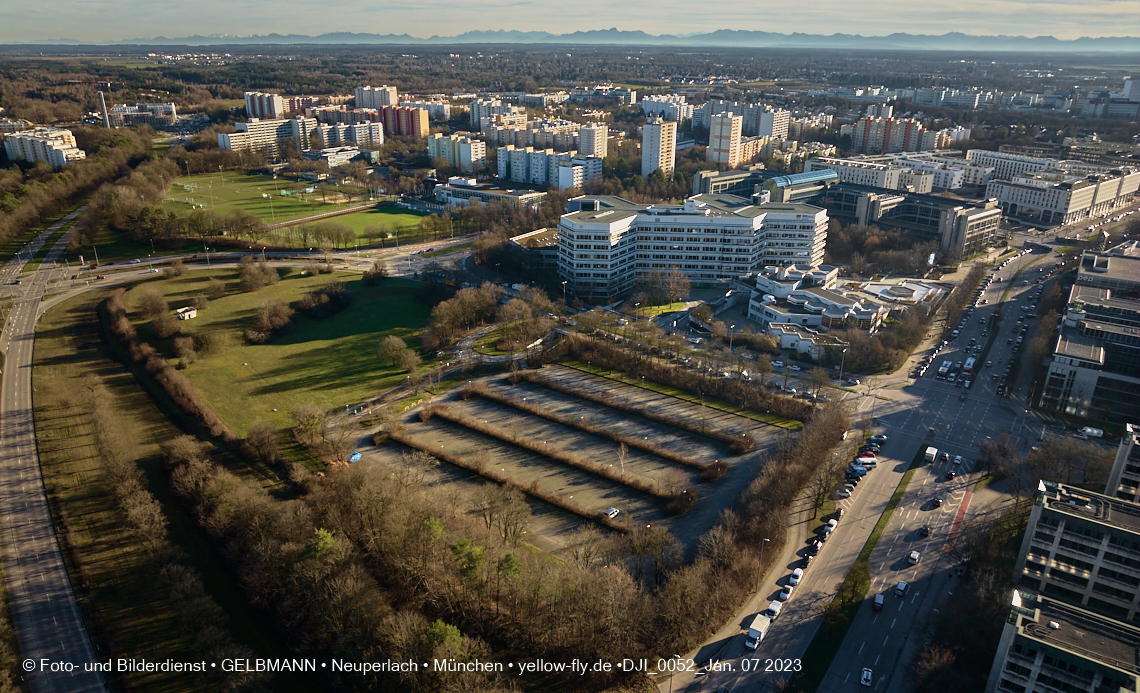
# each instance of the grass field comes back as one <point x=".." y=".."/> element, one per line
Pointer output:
<point x="116" y="583"/>
<point x="231" y="190"/>
<point x="330" y="362"/>
<point x="393" y="218"/>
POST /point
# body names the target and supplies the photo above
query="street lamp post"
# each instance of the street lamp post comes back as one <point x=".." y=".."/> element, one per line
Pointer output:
<point x="564" y="292"/>
<point x="760" y="567"/>
<point x="842" y="363"/>
<point x="730" y="329"/>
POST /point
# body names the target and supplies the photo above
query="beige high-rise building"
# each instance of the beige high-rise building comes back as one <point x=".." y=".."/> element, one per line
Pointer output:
<point x="724" y="139"/>
<point x="658" y="146"/>
<point x="265" y="106"/>
<point x="592" y="140"/>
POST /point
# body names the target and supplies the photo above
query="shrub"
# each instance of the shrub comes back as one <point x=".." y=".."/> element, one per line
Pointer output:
<point x="274" y="318"/>
<point x="325" y="301"/>
<point x="376" y="274"/>
<point x="166" y="326"/>
<point x="200" y="302"/>
<point x="216" y="289"/>
<point x="714" y="471"/>
<point x="151" y="304"/>
<point x="185" y="351"/>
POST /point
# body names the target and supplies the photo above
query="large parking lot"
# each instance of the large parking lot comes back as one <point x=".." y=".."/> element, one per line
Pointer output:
<point x="504" y="428"/>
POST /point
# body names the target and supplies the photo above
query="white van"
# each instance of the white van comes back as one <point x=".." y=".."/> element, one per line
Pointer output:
<point x="868" y="462"/>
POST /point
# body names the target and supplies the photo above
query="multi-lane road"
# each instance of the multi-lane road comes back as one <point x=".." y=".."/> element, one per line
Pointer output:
<point x="906" y="409"/>
<point x="49" y="627"/>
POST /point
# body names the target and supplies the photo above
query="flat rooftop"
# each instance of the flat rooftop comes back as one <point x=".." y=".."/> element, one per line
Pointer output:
<point x="539" y="238"/>
<point x="611" y="208"/>
<point x="1093" y="507"/>
<point x="1075" y="345"/>
<point x="1093" y="637"/>
<point x="1123" y="267"/>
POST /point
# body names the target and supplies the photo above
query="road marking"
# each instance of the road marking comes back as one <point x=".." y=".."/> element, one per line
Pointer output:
<point x="861" y="647"/>
<point x="885" y="640"/>
<point x="893" y="621"/>
<point x="877" y="660"/>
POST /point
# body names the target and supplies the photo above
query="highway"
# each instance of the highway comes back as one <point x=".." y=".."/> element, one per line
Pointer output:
<point x="45" y="613"/>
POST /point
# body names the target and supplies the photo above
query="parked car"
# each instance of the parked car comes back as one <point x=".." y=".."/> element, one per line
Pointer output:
<point x="796" y="576"/>
<point x="786" y="593"/>
<point x="612" y="512"/>
<point x="777" y="364"/>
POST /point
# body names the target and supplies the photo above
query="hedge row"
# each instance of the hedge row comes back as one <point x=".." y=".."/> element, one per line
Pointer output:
<point x="400" y="434"/>
<point x="739" y="443"/>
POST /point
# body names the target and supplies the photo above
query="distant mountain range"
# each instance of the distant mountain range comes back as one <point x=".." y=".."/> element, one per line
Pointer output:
<point x="721" y="38"/>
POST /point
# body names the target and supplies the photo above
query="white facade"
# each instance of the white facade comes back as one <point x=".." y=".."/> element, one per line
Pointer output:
<point x="606" y="243"/>
<point x="462" y="152"/>
<point x="592" y="140"/>
<point x="264" y="106"/>
<point x="670" y="107"/>
<point x="56" y="146"/>
<point x="658" y="147"/>
<point x="265" y="135"/>
<point x="724" y="139"/>
<point x="489" y="108"/>
<point x="437" y="110"/>
<point x="359" y="134"/>
<point x="773" y="122"/>
<point x="1055" y="197"/>
<point x="375" y="97"/>
<point x="878" y="175"/>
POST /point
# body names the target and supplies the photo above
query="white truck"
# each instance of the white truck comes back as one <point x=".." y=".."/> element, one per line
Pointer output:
<point x="757" y="630"/>
<point x="931" y="455"/>
<point x="1089" y="432"/>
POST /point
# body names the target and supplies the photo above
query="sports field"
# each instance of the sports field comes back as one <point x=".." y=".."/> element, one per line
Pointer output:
<point x="257" y="194"/>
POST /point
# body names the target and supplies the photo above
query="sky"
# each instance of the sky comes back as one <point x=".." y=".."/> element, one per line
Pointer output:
<point x="102" y="20"/>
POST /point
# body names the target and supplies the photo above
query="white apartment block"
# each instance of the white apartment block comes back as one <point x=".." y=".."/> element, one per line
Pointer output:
<point x="542" y="167"/>
<point x="489" y="108"/>
<point x="857" y="171"/>
<point x="56" y="146"/>
<point x="667" y="106"/>
<point x="658" y="147"/>
<point x="437" y="110"/>
<point x="375" y="97"/>
<point x="592" y="140"/>
<point x="462" y="152"/>
<point x="724" y="139"/>
<point x="264" y="106"/>
<point x="570" y="176"/>
<point x="369" y="135"/>
<point x="773" y="122"/>
<point x="544" y="100"/>
<point x="606" y="243"/>
<point x="1056" y="197"/>
<point x="265" y="135"/>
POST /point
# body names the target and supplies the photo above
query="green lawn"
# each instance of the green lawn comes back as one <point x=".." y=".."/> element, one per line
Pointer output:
<point x="330" y="362"/>
<point x="392" y="218"/>
<point x="231" y="190"/>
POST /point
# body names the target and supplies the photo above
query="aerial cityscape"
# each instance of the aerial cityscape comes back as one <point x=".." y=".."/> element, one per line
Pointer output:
<point x="621" y="349"/>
